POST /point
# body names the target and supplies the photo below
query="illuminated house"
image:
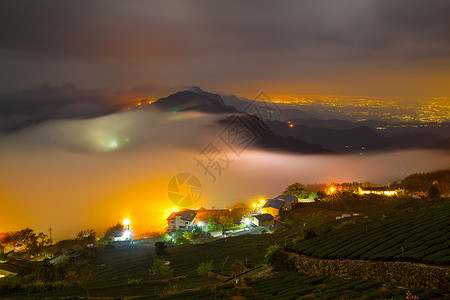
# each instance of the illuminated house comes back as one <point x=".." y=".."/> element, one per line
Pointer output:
<point x="289" y="199"/>
<point x="183" y="219"/>
<point x="274" y="207"/>
<point x="18" y="266"/>
<point x="380" y="191"/>
<point x="263" y="220"/>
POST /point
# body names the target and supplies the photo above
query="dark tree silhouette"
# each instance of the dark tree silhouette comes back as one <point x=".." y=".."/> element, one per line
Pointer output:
<point x="433" y="192"/>
<point x="297" y="189"/>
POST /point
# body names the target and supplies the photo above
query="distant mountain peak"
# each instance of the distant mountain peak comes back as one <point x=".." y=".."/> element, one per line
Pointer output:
<point x="196" y="101"/>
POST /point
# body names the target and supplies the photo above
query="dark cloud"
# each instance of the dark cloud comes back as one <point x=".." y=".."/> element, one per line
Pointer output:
<point x="216" y="44"/>
<point x="31" y="106"/>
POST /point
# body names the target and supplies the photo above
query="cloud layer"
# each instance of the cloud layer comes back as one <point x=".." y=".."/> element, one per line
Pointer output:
<point x="321" y="47"/>
<point x="69" y="174"/>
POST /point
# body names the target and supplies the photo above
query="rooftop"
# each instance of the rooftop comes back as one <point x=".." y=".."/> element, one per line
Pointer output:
<point x="185" y="214"/>
<point x="264" y="217"/>
<point x="274" y="203"/>
<point x="287" y="198"/>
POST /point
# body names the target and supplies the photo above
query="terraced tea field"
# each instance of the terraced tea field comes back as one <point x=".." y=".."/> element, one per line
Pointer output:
<point x="292" y="285"/>
<point x="421" y="236"/>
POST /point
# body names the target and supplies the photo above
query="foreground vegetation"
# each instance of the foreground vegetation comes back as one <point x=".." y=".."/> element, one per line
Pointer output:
<point x="380" y="228"/>
<point x="292" y="285"/>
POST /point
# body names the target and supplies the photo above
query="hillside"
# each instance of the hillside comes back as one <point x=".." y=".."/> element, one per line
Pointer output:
<point x="420" y="182"/>
<point x="265" y="138"/>
<point x="421" y="236"/>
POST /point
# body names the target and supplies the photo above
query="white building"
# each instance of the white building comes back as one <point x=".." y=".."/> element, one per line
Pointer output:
<point x="183" y="219"/>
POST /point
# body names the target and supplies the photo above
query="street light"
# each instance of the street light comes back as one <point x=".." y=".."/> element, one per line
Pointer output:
<point x="126" y="222"/>
<point x="127" y="234"/>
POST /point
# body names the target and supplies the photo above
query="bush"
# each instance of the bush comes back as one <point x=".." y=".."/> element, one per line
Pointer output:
<point x="204" y="268"/>
<point x="160" y="248"/>
<point x="270" y="251"/>
<point x="182" y="240"/>
<point x="159" y="267"/>
<point x="134" y="280"/>
<point x="9" y="285"/>
<point x="171" y="289"/>
<point x="238" y="266"/>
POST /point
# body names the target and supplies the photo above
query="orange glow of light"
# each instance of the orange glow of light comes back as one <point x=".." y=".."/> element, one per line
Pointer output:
<point x="168" y="211"/>
<point x="331" y="190"/>
<point x="126" y="222"/>
<point x="291" y="125"/>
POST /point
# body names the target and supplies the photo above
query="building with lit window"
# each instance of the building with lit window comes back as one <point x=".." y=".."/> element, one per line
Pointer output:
<point x="183" y="219"/>
<point x="263" y="220"/>
<point x="386" y="191"/>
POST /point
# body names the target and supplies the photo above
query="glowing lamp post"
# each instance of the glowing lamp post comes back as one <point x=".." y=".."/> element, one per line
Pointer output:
<point x="126" y="222"/>
<point x="127" y="234"/>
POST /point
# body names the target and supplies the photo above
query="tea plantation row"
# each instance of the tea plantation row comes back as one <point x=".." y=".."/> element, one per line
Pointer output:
<point x="292" y="285"/>
<point x="422" y="236"/>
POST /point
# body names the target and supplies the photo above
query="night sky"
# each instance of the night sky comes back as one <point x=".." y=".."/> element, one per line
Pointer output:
<point x="383" y="48"/>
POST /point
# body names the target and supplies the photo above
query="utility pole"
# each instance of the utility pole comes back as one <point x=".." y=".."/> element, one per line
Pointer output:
<point x="50" y="231"/>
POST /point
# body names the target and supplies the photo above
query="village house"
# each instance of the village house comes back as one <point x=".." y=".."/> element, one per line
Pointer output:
<point x="386" y="191"/>
<point x="18" y="266"/>
<point x="263" y="220"/>
<point x="183" y="219"/>
<point x="289" y="199"/>
<point x="274" y="207"/>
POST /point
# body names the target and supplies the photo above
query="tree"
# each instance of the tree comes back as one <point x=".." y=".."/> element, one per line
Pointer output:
<point x="314" y="223"/>
<point x="297" y="189"/>
<point x="225" y="222"/>
<point x="433" y="192"/>
<point x="88" y="235"/>
<point x="312" y="196"/>
<point x="115" y="230"/>
<point x="240" y="205"/>
<point x="25" y="237"/>
<point x="321" y="194"/>
<point x="212" y="225"/>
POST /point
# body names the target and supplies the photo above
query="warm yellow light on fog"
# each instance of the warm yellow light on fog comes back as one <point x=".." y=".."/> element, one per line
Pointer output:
<point x="126" y="222"/>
